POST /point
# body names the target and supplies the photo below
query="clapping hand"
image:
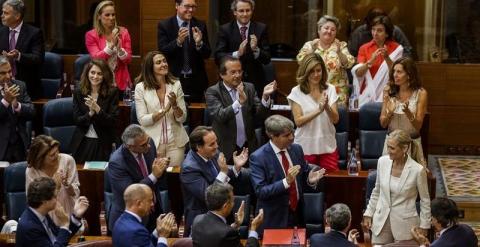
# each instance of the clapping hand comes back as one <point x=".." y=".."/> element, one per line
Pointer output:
<point x="257" y="221"/>
<point x="315" y="176"/>
<point x="159" y="166"/>
<point x="62" y="216"/>
<point x="241" y="159"/>
<point x="222" y="163"/>
<point x="182" y="35"/>
<point x="92" y="105"/>
<point x="242" y="97"/>
<point x="197" y="35"/>
<point x="253" y="42"/>
<point x="13" y="54"/>
<point x="419" y="235"/>
<point x="407" y="111"/>
<point x="269" y="89"/>
<point x="172" y="99"/>
<point x="81" y="206"/>
<point x="11" y="93"/>
<point x="293" y="171"/>
<point x="165" y="224"/>
<point x="239" y="216"/>
<point x="353" y="235"/>
<point x="242" y="47"/>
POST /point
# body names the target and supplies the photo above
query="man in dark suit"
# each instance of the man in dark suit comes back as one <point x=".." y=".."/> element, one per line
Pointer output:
<point x="280" y="175"/>
<point x="246" y="40"/>
<point x="184" y="41"/>
<point x="23" y="45"/>
<point x="36" y="228"/>
<point x="339" y="218"/>
<point x="203" y="166"/>
<point x="445" y="221"/>
<point x="15" y="109"/>
<point x="129" y="230"/>
<point x="233" y="105"/>
<point x="136" y="161"/>
<point x="220" y="202"/>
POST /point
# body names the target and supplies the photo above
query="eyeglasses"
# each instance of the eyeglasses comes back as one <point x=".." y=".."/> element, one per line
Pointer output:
<point x="192" y="7"/>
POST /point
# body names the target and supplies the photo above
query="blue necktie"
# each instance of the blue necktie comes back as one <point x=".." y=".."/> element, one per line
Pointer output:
<point x="213" y="169"/>
<point x="239" y="121"/>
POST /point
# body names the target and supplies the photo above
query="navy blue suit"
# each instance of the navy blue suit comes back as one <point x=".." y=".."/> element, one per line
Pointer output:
<point x="129" y="232"/>
<point x="267" y="175"/>
<point x="457" y="236"/>
<point x="31" y="233"/>
<point x="333" y="238"/>
<point x="123" y="170"/>
<point x="196" y="176"/>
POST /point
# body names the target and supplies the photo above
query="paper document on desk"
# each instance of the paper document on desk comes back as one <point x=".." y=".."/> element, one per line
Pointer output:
<point x="280" y="108"/>
<point x="95" y="165"/>
<point x="4" y="164"/>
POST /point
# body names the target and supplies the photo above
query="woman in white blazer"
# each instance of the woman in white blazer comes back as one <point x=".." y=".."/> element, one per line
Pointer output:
<point x="391" y="211"/>
<point x="161" y="108"/>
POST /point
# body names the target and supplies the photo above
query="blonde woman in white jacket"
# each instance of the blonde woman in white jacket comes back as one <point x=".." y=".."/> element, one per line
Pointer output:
<point x="160" y="107"/>
<point x="391" y="211"/>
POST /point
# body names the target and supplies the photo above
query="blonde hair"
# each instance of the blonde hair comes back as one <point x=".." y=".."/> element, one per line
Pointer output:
<point x="97" y="23"/>
<point x="401" y="137"/>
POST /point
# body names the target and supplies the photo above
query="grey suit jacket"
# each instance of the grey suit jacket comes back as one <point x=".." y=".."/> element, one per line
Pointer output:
<point x="401" y="209"/>
<point x="219" y="107"/>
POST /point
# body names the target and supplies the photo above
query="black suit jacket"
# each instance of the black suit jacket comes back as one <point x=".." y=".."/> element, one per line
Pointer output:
<point x="209" y="230"/>
<point x="103" y="122"/>
<point x="167" y="43"/>
<point x="229" y="40"/>
<point x="11" y="120"/>
<point x="123" y="171"/>
<point x="31" y="233"/>
<point x="32" y="48"/>
<point x="333" y="238"/>
<point x="219" y="107"/>
<point x="456" y="236"/>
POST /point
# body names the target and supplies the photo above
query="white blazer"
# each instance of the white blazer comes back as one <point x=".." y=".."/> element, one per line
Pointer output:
<point x="402" y="210"/>
<point x="147" y="103"/>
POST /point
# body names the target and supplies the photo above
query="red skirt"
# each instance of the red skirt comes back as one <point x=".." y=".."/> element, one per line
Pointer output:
<point x="328" y="161"/>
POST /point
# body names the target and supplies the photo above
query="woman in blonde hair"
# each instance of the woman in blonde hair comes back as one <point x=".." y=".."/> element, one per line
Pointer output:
<point x="110" y="42"/>
<point x="391" y="210"/>
<point x="314" y="109"/>
<point x="45" y="160"/>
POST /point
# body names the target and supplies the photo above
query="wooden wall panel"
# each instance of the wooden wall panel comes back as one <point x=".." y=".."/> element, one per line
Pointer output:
<point x="149" y="36"/>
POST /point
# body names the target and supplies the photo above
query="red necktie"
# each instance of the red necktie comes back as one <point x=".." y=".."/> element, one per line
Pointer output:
<point x="142" y="165"/>
<point x="292" y="190"/>
<point x="243" y="32"/>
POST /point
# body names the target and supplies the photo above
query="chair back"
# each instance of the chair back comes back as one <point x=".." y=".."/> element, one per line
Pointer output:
<point x="269" y="72"/>
<point x="58" y="121"/>
<point x="183" y="242"/>
<point x="313" y="215"/>
<point x="246" y="220"/>
<point x="342" y="137"/>
<point x="372" y="134"/>
<point x="14" y="190"/>
<point x="52" y="74"/>
<point x="78" y="66"/>
<point x="133" y="115"/>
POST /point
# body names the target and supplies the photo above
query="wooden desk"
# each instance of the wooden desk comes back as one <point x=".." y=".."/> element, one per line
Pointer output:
<point x="342" y="188"/>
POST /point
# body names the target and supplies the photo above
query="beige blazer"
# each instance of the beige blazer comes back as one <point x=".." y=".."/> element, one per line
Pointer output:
<point x="402" y="211"/>
<point x="147" y="103"/>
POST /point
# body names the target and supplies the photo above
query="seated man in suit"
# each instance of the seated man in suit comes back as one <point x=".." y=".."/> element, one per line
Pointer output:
<point x="23" y="45"/>
<point x="211" y="229"/>
<point x="247" y="40"/>
<point x="280" y="175"/>
<point x="203" y="166"/>
<point x="339" y="218"/>
<point x="36" y="228"/>
<point x="16" y="109"/>
<point x="445" y="221"/>
<point x="129" y="230"/>
<point x="136" y="161"/>
<point x="233" y="105"/>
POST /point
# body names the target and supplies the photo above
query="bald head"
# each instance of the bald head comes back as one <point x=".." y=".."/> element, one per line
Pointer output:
<point x="135" y="193"/>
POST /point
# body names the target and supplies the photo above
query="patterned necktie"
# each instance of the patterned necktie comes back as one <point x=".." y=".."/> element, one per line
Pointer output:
<point x="11" y="45"/>
<point x="239" y="121"/>
<point x="243" y="32"/>
<point x="187" y="69"/>
<point x="292" y="190"/>
<point x="49" y="231"/>
<point x="142" y="165"/>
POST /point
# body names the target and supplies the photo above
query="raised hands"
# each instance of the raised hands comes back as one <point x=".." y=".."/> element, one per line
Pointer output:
<point x="165" y="225"/>
<point x="253" y="42"/>
<point x="11" y="92"/>
<point x="92" y="105"/>
<point x="222" y="163"/>
<point x="159" y="166"/>
<point x="269" y="89"/>
<point x="241" y="159"/>
<point x="292" y="173"/>
<point x="182" y="35"/>
<point x="353" y="235"/>
<point x="315" y="175"/>
<point x="242" y="97"/>
<point x="257" y="221"/>
<point x="81" y="206"/>
<point x="197" y="35"/>
<point x="239" y="216"/>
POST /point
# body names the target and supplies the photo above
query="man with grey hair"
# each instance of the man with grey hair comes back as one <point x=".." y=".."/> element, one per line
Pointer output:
<point x="136" y="161"/>
<point x="23" y="45"/>
<point x="247" y="40"/>
<point x="280" y="175"/>
<point x="16" y="109"/>
<point x="339" y="218"/>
